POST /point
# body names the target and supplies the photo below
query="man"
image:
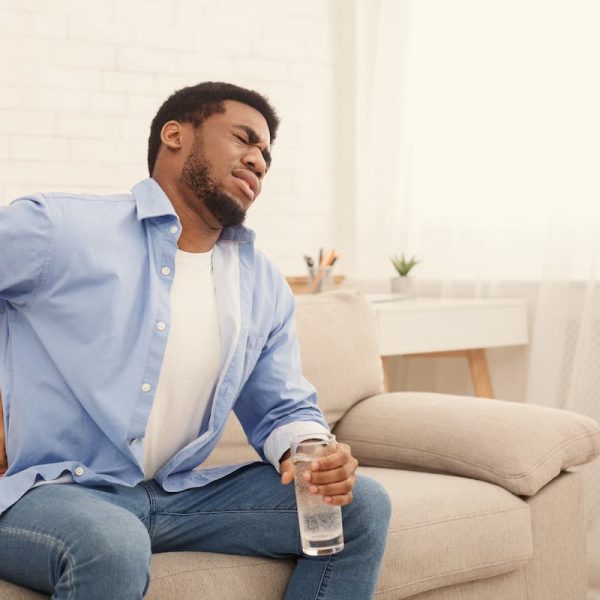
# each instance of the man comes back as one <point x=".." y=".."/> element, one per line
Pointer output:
<point x="130" y="326"/>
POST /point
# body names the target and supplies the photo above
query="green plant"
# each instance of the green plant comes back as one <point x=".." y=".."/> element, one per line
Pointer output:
<point x="404" y="266"/>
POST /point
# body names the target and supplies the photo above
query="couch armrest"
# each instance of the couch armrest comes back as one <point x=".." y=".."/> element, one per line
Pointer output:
<point x="520" y="447"/>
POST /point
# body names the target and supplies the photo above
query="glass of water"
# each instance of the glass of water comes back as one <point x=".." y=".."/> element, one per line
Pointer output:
<point x="320" y="523"/>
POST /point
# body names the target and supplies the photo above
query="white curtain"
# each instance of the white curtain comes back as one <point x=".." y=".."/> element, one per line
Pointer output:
<point x="478" y="150"/>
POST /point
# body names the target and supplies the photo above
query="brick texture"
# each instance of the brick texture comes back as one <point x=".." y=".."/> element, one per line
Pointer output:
<point x="81" y="82"/>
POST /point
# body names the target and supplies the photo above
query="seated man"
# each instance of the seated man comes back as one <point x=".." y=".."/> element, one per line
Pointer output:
<point x="130" y="326"/>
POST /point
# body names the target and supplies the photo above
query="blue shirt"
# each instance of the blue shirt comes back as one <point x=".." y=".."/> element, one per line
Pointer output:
<point x="84" y="281"/>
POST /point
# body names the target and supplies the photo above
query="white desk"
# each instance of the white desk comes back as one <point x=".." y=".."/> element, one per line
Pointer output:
<point x="450" y="327"/>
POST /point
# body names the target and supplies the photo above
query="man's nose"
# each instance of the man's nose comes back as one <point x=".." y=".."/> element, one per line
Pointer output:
<point x="255" y="161"/>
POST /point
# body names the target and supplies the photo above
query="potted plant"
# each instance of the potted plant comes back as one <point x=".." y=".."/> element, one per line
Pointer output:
<point x="403" y="283"/>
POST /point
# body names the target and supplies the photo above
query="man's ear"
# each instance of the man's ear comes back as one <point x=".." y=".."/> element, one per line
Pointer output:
<point x="171" y="135"/>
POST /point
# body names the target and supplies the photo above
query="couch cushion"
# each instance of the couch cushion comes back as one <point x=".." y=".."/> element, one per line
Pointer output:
<point x="518" y="446"/>
<point x="338" y="345"/>
<point x="511" y="586"/>
<point x="232" y="448"/>
<point x="194" y="575"/>
<point x="444" y="530"/>
<point x="447" y="530"/>
<point x="191" y="575"/>
<point x="8" y="591"/>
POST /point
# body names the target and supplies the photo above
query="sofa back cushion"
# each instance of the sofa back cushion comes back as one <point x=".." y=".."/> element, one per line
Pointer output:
<point x="339" y="351"/>
<point x="338" y="344"/>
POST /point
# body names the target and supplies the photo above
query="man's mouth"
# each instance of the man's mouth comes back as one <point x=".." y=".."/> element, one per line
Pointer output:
<point x="247" y="182"/>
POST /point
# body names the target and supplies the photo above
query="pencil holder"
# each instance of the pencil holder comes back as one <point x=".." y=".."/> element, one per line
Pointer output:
<point x="322" y="281"/>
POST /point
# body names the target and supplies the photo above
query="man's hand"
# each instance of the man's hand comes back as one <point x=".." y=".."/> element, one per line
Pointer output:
<point x="332" y="476"/>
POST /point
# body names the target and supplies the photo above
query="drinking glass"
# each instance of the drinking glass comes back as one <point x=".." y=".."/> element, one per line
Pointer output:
<point x="320" y="523"/>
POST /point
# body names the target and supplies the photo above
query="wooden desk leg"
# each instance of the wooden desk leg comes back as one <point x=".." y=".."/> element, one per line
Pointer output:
<point x="386" y="362"/>
<point x="480" y="373"/>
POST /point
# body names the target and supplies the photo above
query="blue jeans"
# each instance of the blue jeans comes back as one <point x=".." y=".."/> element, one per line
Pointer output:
<point x="89" y="543"/>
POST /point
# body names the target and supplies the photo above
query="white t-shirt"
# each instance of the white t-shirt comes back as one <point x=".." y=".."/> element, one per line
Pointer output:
<point x="190" y="368"/>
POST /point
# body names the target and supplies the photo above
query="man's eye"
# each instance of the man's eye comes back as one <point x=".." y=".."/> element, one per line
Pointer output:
<point x="241" y="139"/>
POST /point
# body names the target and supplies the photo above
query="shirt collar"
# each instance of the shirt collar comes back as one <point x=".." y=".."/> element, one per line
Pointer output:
<point x="151" y="201"/>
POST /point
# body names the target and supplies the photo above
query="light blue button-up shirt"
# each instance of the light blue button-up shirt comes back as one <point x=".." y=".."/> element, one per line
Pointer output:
<point x="84" y="280"/>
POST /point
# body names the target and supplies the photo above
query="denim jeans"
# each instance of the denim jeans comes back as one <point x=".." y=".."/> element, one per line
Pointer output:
<point x="88" y="543"/>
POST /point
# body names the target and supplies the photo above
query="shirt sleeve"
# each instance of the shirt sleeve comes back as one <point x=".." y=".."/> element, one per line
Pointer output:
<point x="25" y="231"/>
<point x="280" y="439"/>
<point x="277" y="402"/>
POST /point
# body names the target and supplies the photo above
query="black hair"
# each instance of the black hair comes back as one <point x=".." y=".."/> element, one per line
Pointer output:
<point x="196" y="103"/>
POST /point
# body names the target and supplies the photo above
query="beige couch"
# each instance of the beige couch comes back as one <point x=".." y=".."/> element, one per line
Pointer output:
<point x="487" y="503"/>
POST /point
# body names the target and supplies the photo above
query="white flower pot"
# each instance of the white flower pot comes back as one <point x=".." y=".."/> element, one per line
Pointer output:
<point x="402" y="285"/>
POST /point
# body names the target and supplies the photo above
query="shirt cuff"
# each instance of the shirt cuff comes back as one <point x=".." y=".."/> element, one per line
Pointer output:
<point x="279" y="440"/>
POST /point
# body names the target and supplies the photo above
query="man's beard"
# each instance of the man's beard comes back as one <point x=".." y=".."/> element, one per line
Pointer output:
<point x="223" y="207"/>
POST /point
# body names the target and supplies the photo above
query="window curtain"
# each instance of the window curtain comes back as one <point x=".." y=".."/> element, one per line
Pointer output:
<point x="477" y="129"/>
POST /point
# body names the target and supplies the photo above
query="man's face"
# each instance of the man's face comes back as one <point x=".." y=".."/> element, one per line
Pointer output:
<point x="227" y="163"/>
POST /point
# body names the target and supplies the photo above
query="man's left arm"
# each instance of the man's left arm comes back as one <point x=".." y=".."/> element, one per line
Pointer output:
<point x="278" y="403"/>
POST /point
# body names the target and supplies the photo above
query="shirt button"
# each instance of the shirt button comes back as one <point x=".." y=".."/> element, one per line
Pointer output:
<point x="161" y="326"/>
<point x="146" y="387"/>
<point x="79" y="471"/>
<point x="165" y="270"/>
<point x="174" y="229"/>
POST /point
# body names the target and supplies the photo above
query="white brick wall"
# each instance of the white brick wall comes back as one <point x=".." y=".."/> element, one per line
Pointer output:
<point x="81" y="80"/>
